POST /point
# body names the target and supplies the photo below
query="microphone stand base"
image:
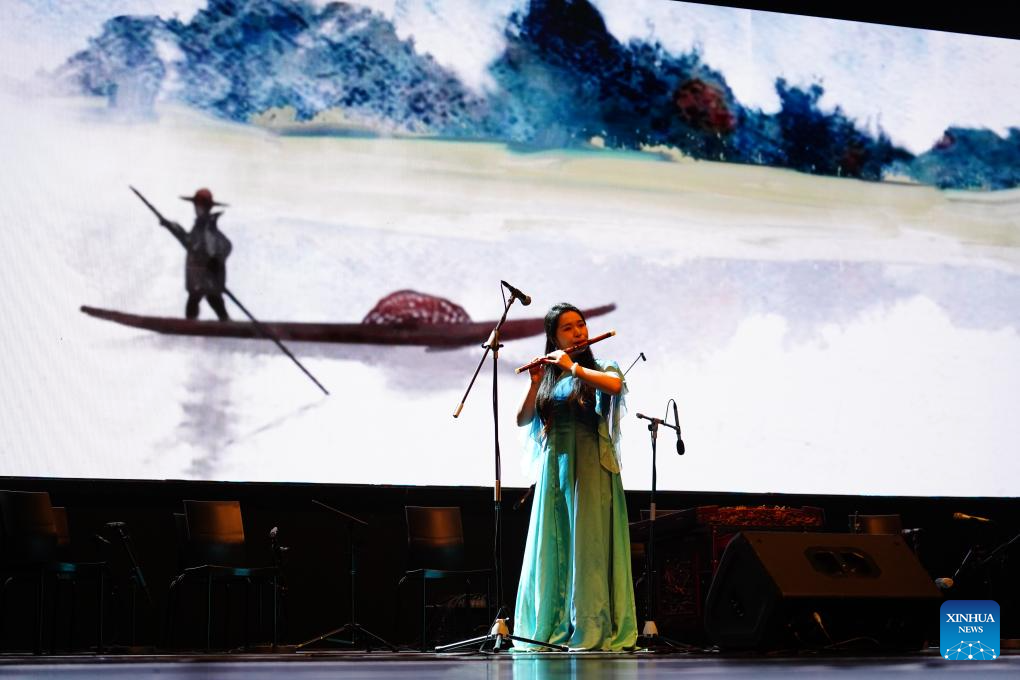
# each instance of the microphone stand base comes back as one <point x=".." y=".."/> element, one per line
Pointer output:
<point x="499" y="638"/>
<point x="650" y="639"/>
<point x="356" y="630"/>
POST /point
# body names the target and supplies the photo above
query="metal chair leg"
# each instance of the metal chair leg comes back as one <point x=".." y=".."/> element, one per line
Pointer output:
<point x="71" y="613"/>
<point x="226" y="615"/>
<point x="276" y="610"/>
<point x="208" y="611"/>
<point x="259" y="615"/>
<point x="40" y="593"/>
<point x="53" y="615"/>
<point x="247" y="610"/>
<point x="102" y="611"/>
<point x="3" y="607"/>
<point x="171" y="611"/>
<point x="424" y="612"/>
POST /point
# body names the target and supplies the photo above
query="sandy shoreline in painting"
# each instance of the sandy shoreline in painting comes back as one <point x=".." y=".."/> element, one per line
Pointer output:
<point x="486" y="191"/>
<point x="721" y="209"/>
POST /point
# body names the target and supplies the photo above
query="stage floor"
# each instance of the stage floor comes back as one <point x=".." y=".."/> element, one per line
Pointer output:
<point x="544" y="666"/>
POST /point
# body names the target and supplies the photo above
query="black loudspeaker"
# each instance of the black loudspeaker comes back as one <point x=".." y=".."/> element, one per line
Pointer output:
<point x="779" y="590"/>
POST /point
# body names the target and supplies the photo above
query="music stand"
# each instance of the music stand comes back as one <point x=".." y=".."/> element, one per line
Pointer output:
<point x="136" y="581"/>
<point x="498" y="632"/>
<point x="352" y="626"/>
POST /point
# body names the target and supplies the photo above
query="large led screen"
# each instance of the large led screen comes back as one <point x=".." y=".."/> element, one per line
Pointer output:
<point x="809" y="228"/>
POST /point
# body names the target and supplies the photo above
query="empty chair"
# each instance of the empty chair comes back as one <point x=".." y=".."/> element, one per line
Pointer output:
<point x="36" y="546"/>
<point x="29" y="527"/>
<point x="214" y="550"/>
<point x="435" y="547"/>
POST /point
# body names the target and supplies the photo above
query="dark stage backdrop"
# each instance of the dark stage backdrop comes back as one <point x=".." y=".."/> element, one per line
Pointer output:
<point x="317" y="598"/>
<point x="808" y="226"/>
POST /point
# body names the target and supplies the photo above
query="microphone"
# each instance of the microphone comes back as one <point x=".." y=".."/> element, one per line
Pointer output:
<point x="972" y="518"/>
<point x="680" y="448"/>
<point x="120" y="528"/>
<point x="101" y="539"/>
<point x="525" y="299"/>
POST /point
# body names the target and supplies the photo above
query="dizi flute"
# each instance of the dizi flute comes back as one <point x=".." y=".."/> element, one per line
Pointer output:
<point x="570" y="350"/>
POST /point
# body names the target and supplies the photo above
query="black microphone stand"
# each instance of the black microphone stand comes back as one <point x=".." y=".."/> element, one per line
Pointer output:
<point x="1002" y="548"/>
<point x="999" y="553"/>
<point x="499" y="633"/>
<point x="640" y="357"/>
<point x="137" y="578"/>
<point x="650" y="631"/>
<point x="352" y="626"/>
<point x="978" y="561"/>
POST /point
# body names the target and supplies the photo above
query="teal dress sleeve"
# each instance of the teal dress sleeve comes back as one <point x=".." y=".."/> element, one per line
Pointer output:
<point x="611" y="410"/>
<point x="533" y="447"/>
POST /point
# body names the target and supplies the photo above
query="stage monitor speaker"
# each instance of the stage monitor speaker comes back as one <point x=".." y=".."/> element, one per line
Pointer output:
<point x="782" y="590"/>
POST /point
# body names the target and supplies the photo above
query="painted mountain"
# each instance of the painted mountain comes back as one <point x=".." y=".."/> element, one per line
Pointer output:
<point x="562" y="81"/>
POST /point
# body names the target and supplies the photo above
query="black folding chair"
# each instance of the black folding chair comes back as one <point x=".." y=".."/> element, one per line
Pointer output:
<point x="36" y="546"/>
<point x="214" y="550"/>
<point x="435" y="545"/>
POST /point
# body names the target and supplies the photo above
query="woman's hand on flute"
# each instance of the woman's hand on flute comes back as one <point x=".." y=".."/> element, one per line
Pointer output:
<point x="559" y="358"/>
<point x="526" y="412"/>
<point x="537" y="370"/>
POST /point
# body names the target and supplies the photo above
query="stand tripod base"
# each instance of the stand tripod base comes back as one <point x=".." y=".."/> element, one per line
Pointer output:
<point x="650" y="639"/>
<point x="499" y="638"/>
<point x="355" y="629"/>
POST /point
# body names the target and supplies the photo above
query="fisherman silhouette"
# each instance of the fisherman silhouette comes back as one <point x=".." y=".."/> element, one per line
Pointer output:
<point x="206" y="264"/>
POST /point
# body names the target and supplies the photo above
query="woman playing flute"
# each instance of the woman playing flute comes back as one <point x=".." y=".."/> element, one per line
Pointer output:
<point x="575" y="588"/>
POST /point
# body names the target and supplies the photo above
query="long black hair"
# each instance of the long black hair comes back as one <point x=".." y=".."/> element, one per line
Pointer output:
<point x="582" y="395"/>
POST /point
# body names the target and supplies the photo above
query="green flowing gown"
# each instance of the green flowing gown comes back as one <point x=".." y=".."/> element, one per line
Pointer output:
<point x="576" y="587"/>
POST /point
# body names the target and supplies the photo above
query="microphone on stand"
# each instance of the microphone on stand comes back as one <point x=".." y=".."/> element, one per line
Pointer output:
<point x="680" y="448"/>
<point x="972" y="518"/>
<point x="119" y="527"/>
<point x="275" y="547"/>
<point x="525" y="299"/>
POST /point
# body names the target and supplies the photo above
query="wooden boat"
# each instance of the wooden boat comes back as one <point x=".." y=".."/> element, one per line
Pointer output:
<point x="428" y="335"/>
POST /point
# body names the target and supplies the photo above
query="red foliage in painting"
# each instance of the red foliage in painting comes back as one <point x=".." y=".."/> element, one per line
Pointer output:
<point x="852" y="162"/>
<point x="703" y="106"/>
